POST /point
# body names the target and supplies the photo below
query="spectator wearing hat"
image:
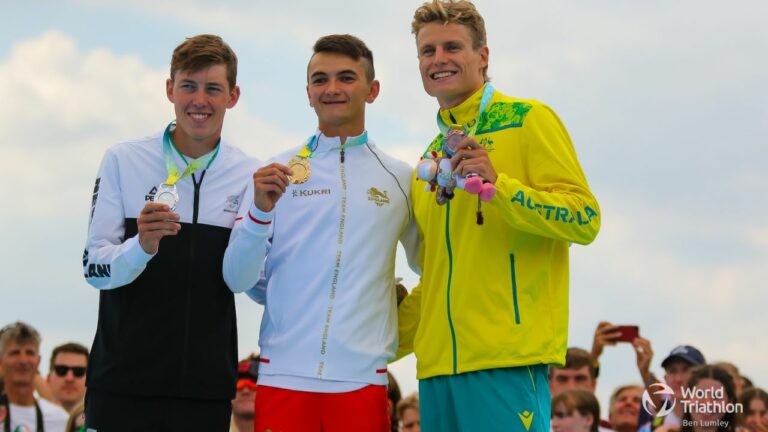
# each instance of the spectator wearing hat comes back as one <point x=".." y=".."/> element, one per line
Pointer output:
<point x="244" y="403"/>
<point x="677" y="370"/>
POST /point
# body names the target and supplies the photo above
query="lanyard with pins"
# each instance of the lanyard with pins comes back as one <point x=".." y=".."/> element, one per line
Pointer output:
<point x="484" y="101"/>
<point x="445" y="131"/>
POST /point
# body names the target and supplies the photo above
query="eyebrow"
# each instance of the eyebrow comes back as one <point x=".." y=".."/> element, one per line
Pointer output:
<point x="341" y="72"/>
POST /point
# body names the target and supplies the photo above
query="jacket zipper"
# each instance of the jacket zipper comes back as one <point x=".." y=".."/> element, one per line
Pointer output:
<point x="188" y="297"/>
<point x="450" y="275"/>
<point x="514" y="287"/>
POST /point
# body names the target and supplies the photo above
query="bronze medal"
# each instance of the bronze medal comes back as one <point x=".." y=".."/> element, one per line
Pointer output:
<point x="300" y="168"/>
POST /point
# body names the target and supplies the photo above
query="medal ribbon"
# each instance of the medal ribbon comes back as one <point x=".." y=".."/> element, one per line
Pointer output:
<point x="486" y="98"/>
<point x="192" y="167"/>
<point x="308" y="149"/>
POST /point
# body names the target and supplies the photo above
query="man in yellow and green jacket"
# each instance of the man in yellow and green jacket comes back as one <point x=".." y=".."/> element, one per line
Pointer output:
<point x="491" y="310"/>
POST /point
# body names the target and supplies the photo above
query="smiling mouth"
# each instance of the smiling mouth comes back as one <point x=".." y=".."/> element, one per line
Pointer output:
<point x="441" y="75"/>
<point x="199" y="116"/>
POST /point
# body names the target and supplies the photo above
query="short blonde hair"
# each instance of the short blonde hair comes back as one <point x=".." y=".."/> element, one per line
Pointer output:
<point x="460" y="12"/>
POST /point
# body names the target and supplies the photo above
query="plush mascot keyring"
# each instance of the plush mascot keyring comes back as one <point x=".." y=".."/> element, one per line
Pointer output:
<point x="435" y="168"/>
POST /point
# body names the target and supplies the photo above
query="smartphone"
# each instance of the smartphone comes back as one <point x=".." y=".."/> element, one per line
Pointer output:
<point x="628" y="333"/>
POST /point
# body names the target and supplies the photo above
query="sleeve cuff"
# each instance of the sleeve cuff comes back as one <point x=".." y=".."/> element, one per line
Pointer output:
<point x="134" y="254"/>
<point x="257" y="221"/>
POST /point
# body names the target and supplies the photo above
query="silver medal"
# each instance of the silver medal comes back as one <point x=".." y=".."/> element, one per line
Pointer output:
<point x="167" y="194"/>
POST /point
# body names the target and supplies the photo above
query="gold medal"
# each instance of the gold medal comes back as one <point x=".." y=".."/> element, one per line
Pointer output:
<point x="300" y="168"/>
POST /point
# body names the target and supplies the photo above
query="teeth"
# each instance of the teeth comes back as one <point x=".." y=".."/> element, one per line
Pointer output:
<point x="439" y="75"/>
<point x="199" y="116"/>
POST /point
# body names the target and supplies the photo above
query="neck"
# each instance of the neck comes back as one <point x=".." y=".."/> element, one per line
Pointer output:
<point x="244" y="423"/>
<point x="342" y="131"/>
<point x="22" y="395"/>
<point x="456" y="100"/>
<point x="69" y="406"/>
<point x="193" y="148"/>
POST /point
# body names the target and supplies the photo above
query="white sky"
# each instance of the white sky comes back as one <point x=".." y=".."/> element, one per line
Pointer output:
<point x="665" y="102"/>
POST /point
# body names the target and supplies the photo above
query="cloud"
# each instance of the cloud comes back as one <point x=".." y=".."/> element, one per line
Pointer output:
<point x="664" y="101"/>
<point x="64" y="107"/>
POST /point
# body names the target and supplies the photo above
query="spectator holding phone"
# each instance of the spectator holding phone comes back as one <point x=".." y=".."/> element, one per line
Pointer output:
<point x="609" y="334"/>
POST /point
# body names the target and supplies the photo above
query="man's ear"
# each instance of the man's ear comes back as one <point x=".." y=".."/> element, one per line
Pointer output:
<point x="169" y="89"/>
<point x="373" y="91"/>
<point x="234" y="96"/>
<point x="484" y="57"/>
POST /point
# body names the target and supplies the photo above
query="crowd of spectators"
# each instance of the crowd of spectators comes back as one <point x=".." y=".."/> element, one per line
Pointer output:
<point x="693" y="395"/>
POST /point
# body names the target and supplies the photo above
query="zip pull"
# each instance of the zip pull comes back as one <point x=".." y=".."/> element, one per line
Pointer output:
<point x="342" y="155"/>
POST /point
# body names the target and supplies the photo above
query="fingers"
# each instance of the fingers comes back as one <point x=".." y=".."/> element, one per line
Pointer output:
<point x="156" y="221"/>
<point x="472" y="161"/>
<point x="269" y="184"/>
<point x="272" y="174"/>
<point x="468" y="143"/>
<point x="603" y="325"/>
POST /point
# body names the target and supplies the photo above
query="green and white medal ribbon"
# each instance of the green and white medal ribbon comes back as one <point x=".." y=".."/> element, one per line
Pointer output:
<point x="167" y="193"/>
<point x="451" y="130"/>
<point x="299" y="163"/>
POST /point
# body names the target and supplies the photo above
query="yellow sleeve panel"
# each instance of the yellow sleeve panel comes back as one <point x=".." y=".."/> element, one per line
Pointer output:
<point x="551" y="197"/>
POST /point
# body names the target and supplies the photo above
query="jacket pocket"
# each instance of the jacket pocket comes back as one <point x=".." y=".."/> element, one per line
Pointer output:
<point x="513" y="278"/>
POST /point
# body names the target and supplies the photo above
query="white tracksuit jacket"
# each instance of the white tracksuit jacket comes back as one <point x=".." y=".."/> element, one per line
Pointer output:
<point x="328" y="279"/>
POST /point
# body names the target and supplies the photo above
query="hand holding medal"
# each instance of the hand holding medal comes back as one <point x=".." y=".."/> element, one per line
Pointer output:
<point x="156" y="221"/>
<point x="269" y="184"/>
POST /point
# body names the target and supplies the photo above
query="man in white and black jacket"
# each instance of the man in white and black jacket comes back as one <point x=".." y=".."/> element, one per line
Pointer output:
<point x="165" y="352"/>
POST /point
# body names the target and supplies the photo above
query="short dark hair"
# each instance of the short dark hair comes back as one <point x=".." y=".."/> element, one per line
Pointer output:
<point x="70" y="348"/>
<point x="203" y="51"/>
<point x="577" y="358"/>
<point x="350" y="46"/>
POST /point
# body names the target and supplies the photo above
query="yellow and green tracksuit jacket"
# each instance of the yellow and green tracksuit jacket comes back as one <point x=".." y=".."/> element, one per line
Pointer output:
<point x="496" y="295"/>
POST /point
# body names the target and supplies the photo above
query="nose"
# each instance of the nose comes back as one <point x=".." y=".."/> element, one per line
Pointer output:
<point x="333" y="86"/>
<point x="198" y="98"/>
<point x="440" y="55"/>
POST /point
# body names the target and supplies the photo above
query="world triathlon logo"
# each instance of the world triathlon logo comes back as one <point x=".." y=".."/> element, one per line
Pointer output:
<point x="666" y="394"/>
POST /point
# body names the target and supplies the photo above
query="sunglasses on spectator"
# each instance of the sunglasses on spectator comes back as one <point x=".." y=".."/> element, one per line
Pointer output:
<point x="77" y="371"/>
<point x="245" y="383"/>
